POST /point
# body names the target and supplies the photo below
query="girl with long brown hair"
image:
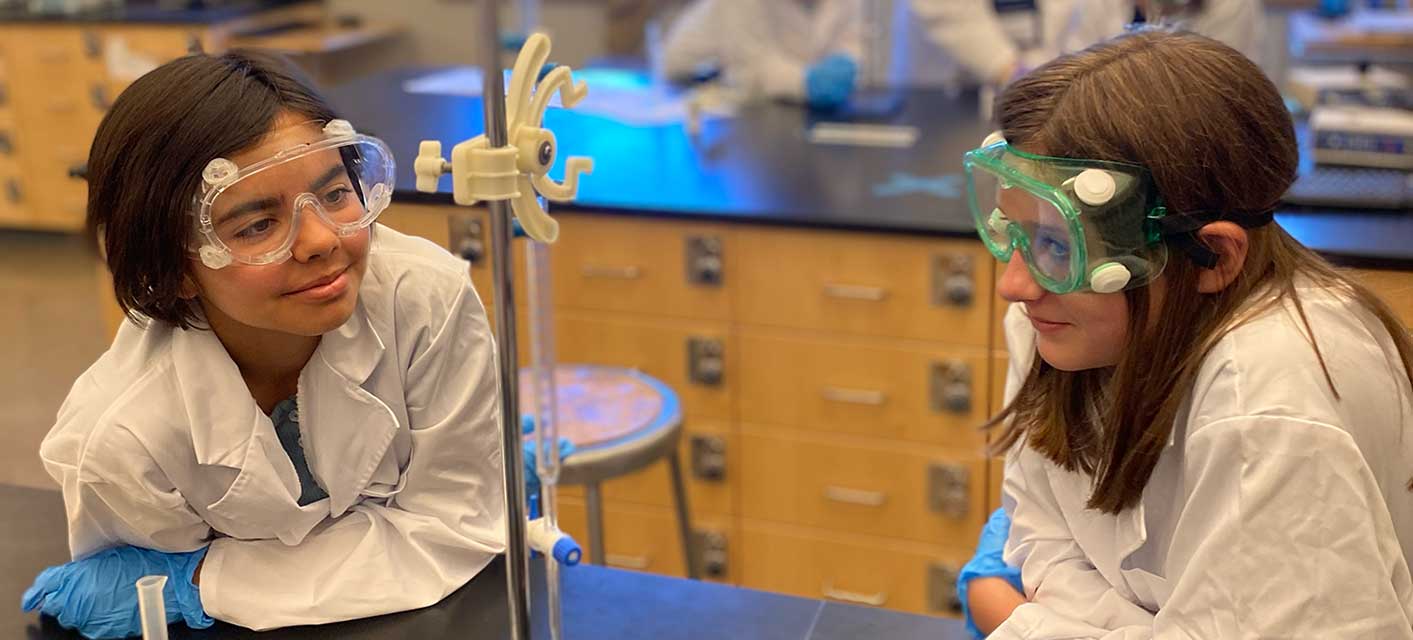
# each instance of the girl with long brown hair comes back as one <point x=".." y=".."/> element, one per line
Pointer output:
<point x="1208" y="426"/>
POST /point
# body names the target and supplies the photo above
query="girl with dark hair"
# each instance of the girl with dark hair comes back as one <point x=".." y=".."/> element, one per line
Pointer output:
<point x="1207" y="426"/>
<point x="299" y="422"/>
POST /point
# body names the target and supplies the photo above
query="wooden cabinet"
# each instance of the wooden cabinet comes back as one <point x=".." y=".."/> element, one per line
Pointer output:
<point x="58" y="79"/>
<point x="852" y="569"/>
<point x="52" y="72"/>
<point x="891" y="286"/>
<point x="882" y="389"/>
<point x="832" y="384"/>
<point x="667" y="349"/>
<point x="650" y="267"/>
<point x="644" y="538"/>
<point x="711" y="479"/>
<point x="857" y="485"/>
<point x="1395" y="288"/>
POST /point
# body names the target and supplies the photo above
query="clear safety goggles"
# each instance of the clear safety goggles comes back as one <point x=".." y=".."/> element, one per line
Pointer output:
<point x="253" y="214"/>
<point x="1080" y="225"/>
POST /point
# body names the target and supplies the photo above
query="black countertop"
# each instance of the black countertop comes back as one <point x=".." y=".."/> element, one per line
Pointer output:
<point x="154" y="12"/>
<point x="598" y="602"/>
<point x="760" y="168"/>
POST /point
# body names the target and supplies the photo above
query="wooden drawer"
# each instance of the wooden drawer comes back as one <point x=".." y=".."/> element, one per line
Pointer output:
<point x="646" y="539"/>
<point x="660" y="348"/>
<point x="1395" y="287"/>
<point x="9" y="150"/>
<point x="14" y="210"/>
<point x="852" y="569"/>
<point x="855" y="486"/>
<point x="53" y="50"/>
<point x="889" y="389"/>
<point x="465" y="231"/>
<point x="605" y="263"/>
<point x="132" y="51"/>
<point x="462" y="230"/>
<point x="59" y="123"/>
<point x="893" y="286"/>
<point x="706" y="497"/>
<point x="51" y="69"/>
<point x="57" y="201"/>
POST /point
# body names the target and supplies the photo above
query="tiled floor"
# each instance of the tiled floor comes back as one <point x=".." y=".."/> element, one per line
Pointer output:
<point x="52" y="330"/>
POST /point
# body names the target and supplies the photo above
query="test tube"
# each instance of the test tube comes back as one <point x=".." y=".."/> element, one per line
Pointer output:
<point x="151" y="607"/>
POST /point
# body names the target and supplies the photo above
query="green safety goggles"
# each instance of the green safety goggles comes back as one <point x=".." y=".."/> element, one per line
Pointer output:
<point x="1080" y="225"/>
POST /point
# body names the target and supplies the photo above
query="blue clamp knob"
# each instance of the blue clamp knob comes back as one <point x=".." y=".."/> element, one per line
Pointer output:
<point x="567" y="552"/>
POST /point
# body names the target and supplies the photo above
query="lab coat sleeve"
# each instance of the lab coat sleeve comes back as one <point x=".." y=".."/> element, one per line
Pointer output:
<point x="851" y="35"/>
<point x="119" y="497"/>
<point x="738" y="39"/>
<point x="445" y="524"/>
<point x="970" y="32"/>
<point x="1068" y="598"/>
<point x="1283" y="533"/>
<point x="696" y="36"/>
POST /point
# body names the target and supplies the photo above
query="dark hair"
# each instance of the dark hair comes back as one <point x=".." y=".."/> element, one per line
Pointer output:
<point x="1216" y="136"/>
<point x="144" y="168"/>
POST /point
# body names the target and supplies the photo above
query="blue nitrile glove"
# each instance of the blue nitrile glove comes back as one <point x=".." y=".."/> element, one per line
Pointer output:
<point x="987" y="563"/>
<point x="830" y="81"/>
<point x="532" y="477"/>
<point x="97" y="596"/>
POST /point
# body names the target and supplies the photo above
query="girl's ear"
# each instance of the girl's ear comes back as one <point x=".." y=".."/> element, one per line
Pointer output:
<point x="1230" y="242"/>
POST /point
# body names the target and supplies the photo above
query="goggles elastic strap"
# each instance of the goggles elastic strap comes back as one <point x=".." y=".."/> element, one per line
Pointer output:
<point x="1181" y="230"/>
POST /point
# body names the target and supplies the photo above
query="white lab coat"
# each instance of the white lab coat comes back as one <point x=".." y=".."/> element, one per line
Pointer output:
<point x="1276" y="511"/>
<point x="763" y="46"/>
<point x="970" y="33"/>
<point x="160" y="445"/>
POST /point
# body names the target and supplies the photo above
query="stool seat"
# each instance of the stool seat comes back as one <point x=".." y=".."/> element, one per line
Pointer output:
<point x="620" y="420"/>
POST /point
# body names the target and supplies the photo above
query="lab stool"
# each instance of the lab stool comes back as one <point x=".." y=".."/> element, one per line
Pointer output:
<point x="620" y="420"/>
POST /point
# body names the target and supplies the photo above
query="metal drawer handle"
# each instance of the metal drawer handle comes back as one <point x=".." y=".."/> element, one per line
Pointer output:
<point x="874" y="600"/>
<point x="64" y="106"/>
<point x="53" y="55"/>
<point x="637" y="563"/>
<point x="867" y="397"/>
<point x="611" y="273"/>
<point x="855" y="496"/>
<point x="855" y="292"/>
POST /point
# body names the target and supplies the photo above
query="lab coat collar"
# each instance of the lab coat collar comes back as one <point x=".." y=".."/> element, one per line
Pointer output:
<point x="352" y="350"/>
<point x="347" y="428"/>
<point x="221" y="413"/>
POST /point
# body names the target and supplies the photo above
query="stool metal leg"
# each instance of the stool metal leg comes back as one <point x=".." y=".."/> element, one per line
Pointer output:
<point x="595" y="500"/>
<point x="684" y="521"/>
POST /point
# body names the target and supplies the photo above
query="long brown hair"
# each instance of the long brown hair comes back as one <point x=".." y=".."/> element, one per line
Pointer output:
<point x="1216" y="136"/>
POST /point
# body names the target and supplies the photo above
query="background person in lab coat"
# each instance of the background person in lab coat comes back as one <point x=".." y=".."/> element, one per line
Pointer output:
<point x="1226" y="451"/>
<point x="970" y="32"/>
<point x="299" y="442"/>
<point x="788" y="49"/>
<point x="810" y="49"/>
